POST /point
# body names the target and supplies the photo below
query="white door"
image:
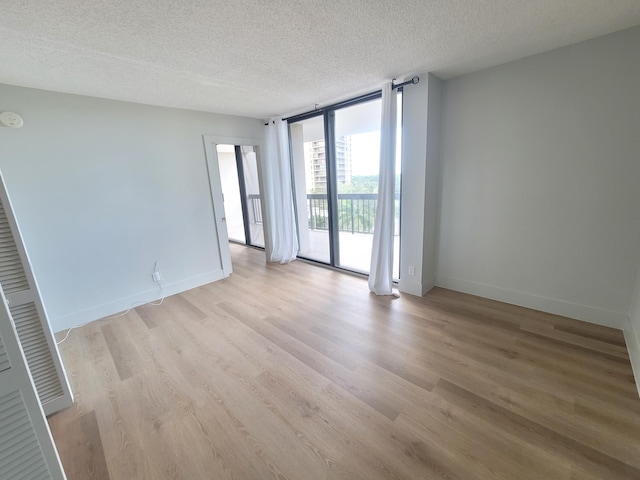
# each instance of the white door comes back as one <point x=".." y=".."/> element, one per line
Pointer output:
<point x="27" y="451"/>
<point x="34" y="332"/>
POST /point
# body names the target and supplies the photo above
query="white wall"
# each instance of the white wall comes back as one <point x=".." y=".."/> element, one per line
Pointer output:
<point x="432" y="183"/>
<point x="540" y="173"/>
<point x="632" y="332"/>
<point x="420" y="178"/>
<point x="102" y="189"/>
<point x="414" y="155"/>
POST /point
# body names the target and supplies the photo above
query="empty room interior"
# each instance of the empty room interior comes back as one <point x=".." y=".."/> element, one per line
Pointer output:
<point x="320" y="240"/>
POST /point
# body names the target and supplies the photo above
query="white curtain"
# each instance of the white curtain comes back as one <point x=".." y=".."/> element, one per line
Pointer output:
<point x="381" y="272"/>
<point x="281" y="224"/>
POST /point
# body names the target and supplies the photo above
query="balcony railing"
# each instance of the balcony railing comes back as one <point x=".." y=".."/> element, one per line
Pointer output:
<point x="356" y="211"/>
<point x="255" y="208"/>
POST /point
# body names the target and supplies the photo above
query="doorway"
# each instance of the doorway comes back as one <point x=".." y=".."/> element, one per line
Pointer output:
<point x="251" y="149"/>
<point x="241" y="193"/>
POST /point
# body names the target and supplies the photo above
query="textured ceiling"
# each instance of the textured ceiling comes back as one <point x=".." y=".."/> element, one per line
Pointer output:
<point x="261" y="58"/>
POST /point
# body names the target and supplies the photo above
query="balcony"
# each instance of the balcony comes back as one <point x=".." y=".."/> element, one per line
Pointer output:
<point x="356" y="218"/>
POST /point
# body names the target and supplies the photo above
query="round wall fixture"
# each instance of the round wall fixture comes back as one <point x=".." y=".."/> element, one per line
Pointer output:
<point x="11" y="120"/>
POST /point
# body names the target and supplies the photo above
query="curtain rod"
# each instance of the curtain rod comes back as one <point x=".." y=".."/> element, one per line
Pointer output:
<point x="394" y="86"/>
<point x="413" y="81"/>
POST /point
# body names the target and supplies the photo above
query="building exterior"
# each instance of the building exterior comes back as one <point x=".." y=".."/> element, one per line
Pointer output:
<point x="317" y="173"/>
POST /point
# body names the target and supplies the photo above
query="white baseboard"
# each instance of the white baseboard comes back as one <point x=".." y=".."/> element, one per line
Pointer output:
<point x="550" y="305"/>
<point x="410" y="289"/>
<point x="414" y="288"/>
<point x="426" y="287"/>
<point x="122" y="304"/>
<point x="632" y="340"/>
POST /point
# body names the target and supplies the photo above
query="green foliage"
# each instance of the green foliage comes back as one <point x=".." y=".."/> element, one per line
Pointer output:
<point x="360" y="184"/>
<point x="354" y="214"/>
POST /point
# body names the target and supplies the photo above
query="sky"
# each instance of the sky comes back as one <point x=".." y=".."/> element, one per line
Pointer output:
<point x="365" y="153"/>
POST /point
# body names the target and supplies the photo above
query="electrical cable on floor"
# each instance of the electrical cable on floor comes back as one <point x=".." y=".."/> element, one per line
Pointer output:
<point x="133" y="305"/>
<point x="69" y="331"/>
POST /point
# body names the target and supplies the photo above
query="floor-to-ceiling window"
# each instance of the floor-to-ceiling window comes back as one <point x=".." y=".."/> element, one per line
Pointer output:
<point x="335" y="155"/>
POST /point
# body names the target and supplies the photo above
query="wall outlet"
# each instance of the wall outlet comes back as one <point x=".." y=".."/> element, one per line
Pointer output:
<point x="156" y="276"/>
<point x="412" y="270"/>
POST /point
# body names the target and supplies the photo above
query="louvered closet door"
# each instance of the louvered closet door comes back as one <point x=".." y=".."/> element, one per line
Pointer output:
<point x="25" y="304"/>
<point x="27" y="451"/>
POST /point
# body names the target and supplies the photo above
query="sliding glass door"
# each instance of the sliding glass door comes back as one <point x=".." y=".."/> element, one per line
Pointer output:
<point x="309" y="159"/>
<point x="336" y="160"/>
<point x="252" y="198"/>
<point x="241" y="193"/>
<point x="357" y="161"/>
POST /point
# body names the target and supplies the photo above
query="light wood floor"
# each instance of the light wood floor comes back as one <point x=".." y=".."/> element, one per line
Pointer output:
<point x="297" y="372"/>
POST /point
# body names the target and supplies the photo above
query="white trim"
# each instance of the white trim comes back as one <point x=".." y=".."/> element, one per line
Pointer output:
<point x="406" y="287"/>
<point x="211" y="153"/>
<point x="122" y="304"/>
<point x="550" y="305"/>
<point x="632" y="340"/>
<point x="419" y="290"/>
<point x="426" y="287"/>
<point x="56" y="405"/>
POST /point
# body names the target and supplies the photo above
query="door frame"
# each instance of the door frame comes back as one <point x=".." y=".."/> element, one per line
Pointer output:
<point x="215" y="186"/>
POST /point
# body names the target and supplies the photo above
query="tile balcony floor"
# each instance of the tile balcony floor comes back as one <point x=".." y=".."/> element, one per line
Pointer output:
<point x="355" y="248"/>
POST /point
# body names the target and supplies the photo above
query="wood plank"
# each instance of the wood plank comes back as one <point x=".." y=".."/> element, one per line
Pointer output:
<point x="123" y="352"/>
<point x="544" y="437"/>
<point x="84" y="457"/>
<point x="298" y="372"/>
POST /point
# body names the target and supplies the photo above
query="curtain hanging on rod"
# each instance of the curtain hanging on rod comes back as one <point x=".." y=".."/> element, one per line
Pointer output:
<point x="381" y="272"/>
<point x="284" y="239"/>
